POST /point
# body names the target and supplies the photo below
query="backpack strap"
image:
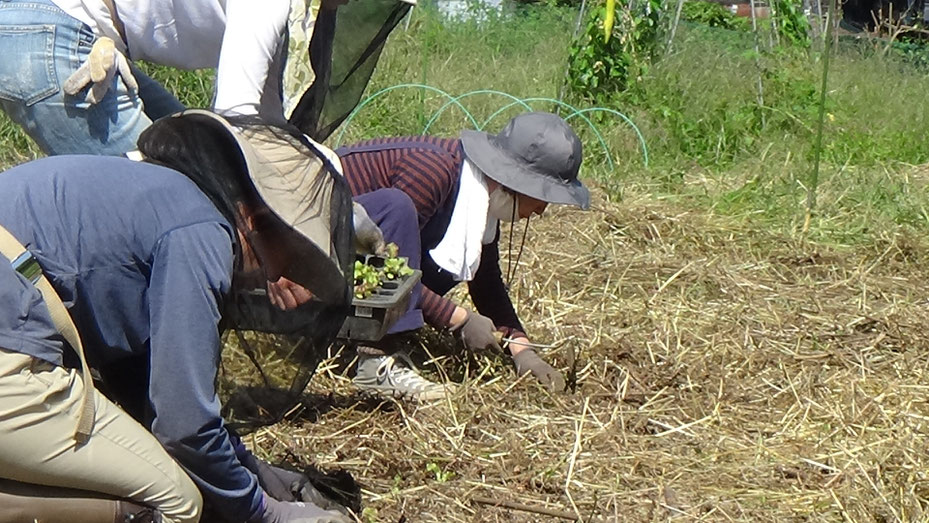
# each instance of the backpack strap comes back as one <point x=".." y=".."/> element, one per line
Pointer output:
<point x="24" y="263"/>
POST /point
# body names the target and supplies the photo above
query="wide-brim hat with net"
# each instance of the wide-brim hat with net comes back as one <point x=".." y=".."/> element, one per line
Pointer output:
<point x="536" y="154"/>
<point x="301" y="183"/>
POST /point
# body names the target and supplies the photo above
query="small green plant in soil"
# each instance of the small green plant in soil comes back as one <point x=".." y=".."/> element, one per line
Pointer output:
<point x="368" y="277"/>
<point x="441" y="475"/>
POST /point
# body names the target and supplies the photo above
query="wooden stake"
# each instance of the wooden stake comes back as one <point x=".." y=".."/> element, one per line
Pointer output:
<point x="677" y="19"/>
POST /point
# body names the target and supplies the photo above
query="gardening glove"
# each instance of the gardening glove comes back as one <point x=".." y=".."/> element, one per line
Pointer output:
<point x="286" y="485"/>
<point x="297" y="512"/>
<point x="368" y="236"/>
<point x="101" y="67"/>
<point x="527" y="361"/>
<point x="477" y="332"/>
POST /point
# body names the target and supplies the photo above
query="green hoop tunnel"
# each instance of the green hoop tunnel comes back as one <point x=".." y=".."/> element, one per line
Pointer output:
<point x="456" y="101"/>
<point x="440" y="110"/>
<point x="351" y="116"/>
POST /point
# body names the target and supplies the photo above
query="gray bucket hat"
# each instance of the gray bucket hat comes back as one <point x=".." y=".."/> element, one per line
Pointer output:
<point x="310" y="200"/>
<point x="536" y="154"/>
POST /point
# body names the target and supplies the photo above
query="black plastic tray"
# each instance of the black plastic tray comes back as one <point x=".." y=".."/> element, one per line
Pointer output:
<point x="371" y="317"/>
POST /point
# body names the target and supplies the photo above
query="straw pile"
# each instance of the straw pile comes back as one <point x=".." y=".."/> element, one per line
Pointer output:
<point x="722" y="374"/>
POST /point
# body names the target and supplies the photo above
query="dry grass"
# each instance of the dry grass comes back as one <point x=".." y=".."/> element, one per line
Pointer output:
<point x="723" y="374"/>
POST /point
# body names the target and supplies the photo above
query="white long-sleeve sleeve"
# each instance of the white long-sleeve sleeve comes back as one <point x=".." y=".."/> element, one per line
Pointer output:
<point x="242" y="39"/>
<point x="251" y="59"/>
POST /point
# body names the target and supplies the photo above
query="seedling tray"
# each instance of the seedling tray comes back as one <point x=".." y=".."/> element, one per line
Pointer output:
<point x="371" y="317"/>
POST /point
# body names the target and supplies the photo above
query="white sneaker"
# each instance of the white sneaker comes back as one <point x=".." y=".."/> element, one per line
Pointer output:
<point x="395" y="376"/>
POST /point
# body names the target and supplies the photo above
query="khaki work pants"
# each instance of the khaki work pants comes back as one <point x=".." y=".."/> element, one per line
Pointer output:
<point x="39" y="405"/>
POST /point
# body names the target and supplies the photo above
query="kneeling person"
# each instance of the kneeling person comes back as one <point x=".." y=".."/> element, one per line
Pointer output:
<point x="441" y="201"/>
<point x="144" y="255"/>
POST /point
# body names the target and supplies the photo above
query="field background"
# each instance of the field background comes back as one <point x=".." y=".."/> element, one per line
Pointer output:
<point x="729" y="366"/>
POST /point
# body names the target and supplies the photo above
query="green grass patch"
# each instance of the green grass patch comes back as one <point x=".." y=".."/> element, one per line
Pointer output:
<point x="712" y="144"/>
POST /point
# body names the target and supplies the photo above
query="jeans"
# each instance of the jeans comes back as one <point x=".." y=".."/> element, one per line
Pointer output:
<point x="40" y="47"/>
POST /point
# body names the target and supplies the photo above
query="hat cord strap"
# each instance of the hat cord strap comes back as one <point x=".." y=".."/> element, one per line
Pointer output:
<point x="510" y="267"/>
<point x="509" y="247"/>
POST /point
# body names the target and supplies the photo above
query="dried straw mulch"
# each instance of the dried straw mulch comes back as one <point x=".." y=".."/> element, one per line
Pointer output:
<point x="722" y="374"/>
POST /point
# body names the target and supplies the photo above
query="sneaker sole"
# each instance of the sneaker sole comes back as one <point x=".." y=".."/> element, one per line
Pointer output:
<point x="394" y="394"/>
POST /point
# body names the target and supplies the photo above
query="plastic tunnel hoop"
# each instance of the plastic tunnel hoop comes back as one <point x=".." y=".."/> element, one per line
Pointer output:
<point x="606" y="150"/>
<point x="593" y="127"/>
<point x="440" y="110"/>
<point x="524" y="102"/>
<point x="638" y="133"/>
<point x="453" y="100"/>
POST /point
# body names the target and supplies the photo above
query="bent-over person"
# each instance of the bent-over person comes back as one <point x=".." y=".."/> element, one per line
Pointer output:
<point x="441" y="200"/>
<point x="144" y="256"/>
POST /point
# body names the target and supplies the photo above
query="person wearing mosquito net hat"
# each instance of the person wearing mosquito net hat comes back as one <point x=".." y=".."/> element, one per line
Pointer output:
<point x="145" y="256"/>
<point x="441" y="201"/>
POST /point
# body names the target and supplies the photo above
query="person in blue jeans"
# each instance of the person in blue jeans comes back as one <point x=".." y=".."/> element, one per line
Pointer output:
<point x="146" y="256"/>
<point x="67" y="77"/>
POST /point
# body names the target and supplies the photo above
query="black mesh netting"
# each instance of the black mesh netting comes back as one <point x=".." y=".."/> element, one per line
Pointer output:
<point x="269" y="355"/>
<point x="269" y="358"/>
<point x="344" y="50"/>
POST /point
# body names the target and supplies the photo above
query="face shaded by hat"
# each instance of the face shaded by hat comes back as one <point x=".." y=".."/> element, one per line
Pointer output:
<point x="304" y="230"/>
<point x="536" y="154"/>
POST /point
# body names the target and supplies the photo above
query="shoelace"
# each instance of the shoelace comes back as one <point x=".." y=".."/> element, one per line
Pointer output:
<point x="405" y="376"/>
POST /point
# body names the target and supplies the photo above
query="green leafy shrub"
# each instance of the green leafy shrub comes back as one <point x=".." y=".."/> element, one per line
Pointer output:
<point x="598" y="68"/>
<point x="791" y="23"/>
<point x="911" y="51"/>
<point x="713" y="15"/>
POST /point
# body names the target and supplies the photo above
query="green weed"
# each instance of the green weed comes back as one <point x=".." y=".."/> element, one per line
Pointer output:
<point x="441" y="475"/>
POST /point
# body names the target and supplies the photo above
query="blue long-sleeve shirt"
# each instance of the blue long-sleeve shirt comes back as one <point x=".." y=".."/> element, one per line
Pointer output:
<point x="142" y="259"/>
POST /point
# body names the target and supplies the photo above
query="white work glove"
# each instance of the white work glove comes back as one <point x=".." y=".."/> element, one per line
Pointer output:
<point x="368" y="236"/>
<point x="101" y="67"/>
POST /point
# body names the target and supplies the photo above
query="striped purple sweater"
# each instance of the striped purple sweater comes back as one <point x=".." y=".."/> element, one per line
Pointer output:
<point x="429" y="175"/>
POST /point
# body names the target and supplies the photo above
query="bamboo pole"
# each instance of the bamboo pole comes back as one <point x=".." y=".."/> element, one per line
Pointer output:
<point x="757" y="63"/>
<point x="815" y="19"/>
<point x="512" y="505"/>
<point x="819" y="5"/>
<point x="818" y="145"/>
<point x="677" y="20"/>
<point x="577" y="29"/>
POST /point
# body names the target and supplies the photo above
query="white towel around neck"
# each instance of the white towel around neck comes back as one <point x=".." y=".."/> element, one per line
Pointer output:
<point x="470" y="228"/>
